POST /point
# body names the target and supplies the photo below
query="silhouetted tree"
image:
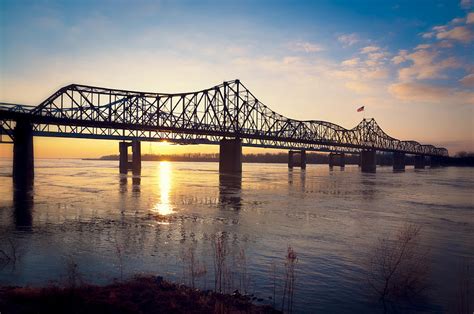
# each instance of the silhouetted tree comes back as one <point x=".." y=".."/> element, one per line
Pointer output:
<point x="399" y="267"/>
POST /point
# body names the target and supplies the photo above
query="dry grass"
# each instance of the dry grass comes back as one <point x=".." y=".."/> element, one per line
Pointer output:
<point x="291" y="260"/>
<point x="220" y="251"/>
<point x="9" y="253"/>
<point x="119" y="255"/>
<point x="193" y="267"/>
<point x="139" y="295"/>
<point x="73" y="276"/>
<point x="242" y="267"/>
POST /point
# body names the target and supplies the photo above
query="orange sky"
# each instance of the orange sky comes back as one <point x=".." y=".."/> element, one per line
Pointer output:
<point x="85" y="148"/>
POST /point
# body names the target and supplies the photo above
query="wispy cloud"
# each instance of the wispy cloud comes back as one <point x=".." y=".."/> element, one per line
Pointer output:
<point x="425" y="64"/>
<point x="430" y="93"/>
<point x="458" y="20"/>
<point x="453" y="30"/>
<point x="466" y="4"/>
<point x="470" y="18"/>
<point x="401" y="57"/>
<point x="348" y="39"/>
<point x="369" y="49"/>
<point x="428" y="35"/>
<point x="468" y="80"/>
<point x="420" y="66"/>
<point x="305" y="46"/>
<point x="422" y="46"/>
<point x="358" y="87"/>
<point x="350" y="62"/>
<point x="460" y="33"/>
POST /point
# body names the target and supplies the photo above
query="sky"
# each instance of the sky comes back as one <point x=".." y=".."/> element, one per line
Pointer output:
<point x="410" y="63"/>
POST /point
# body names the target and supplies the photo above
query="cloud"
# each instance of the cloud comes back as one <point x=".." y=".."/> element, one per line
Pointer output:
<point x="351" y="62"/>
<point x="425" y="65"/>
<point x="444" y="44"/>
<point x="460" y="33"/>
<point x="375" y="56"/>
<point x="369" y="49"/>
<point x="430" y="93"/>
<point x="292" y="60"/>
<point x="348" y="39"/>
<point x="470" y="18"/>
<point x="465" y="4"/>
<point x="428" y="35"/>
<point x="358" y="87"/>
<point x="364" y="70"/>
<point x="361" y="73"/>
<point x="457" y="20"/>
<point x="379" y="73"/>
<point x="417" y="91"/>
<point x="454" y="30"/>
<point x="468" y="80"/>
<point x="422" y="46"/>
<point x="307" y="47"/>
<point x="401" y="57"/>
<point x="440" y="28"/>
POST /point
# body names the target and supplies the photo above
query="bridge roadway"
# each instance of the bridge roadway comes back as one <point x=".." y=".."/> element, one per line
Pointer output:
<point x="227" y="114"/>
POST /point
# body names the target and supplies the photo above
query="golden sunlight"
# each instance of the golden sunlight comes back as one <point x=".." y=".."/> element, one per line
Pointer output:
<point x="163" y="143"/>
<point x="164" y="207"/>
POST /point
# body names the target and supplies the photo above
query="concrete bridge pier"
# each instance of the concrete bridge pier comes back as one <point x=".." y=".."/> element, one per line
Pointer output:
<point x="136" y="164"/>
<point x="398" y="161"/>
<point x="420" y="162"/>
<point x="23" y="154"/>
<point x="136" y="157"/>
<point x="337" y="159"/>
<point x="230" y="155"/>
<point x="435" y="162"/>
<point x="368" y="160"/>
<point x="303" y="159"/>
<point x="297" y="163"/>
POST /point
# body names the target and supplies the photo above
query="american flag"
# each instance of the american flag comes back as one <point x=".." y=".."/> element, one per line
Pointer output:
<point x="360" y="109"/>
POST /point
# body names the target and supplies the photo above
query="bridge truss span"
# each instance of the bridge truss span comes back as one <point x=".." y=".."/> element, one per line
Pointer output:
<point x="202" y="117"/>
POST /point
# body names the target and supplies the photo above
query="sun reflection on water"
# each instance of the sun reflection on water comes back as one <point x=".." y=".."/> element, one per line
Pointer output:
<point x="164" y="207"/>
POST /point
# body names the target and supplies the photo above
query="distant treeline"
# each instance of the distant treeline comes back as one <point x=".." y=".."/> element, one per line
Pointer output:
<point x="311" y="158"/>
<point x="460" y="159"/>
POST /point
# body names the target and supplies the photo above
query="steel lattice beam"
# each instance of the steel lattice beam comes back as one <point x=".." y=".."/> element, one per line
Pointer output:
<point x="225" y="110"/>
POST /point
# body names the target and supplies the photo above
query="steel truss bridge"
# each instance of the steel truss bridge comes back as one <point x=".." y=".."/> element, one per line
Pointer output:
<point x="228" y="110"/>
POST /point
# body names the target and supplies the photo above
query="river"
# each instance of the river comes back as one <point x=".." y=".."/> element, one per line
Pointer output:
<point x="115" y="226"/>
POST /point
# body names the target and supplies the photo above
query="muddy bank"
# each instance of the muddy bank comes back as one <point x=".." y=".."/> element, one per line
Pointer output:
<point x="138" y="295"/>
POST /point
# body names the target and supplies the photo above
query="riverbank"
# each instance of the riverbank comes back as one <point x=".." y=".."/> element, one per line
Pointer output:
<point x="147" y="294"/>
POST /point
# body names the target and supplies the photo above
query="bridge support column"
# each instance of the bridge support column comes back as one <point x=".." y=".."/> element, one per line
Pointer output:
<point x="435" y="162"/>
<point x="230" y="155"/>
<point x="136" y="164"/>
<point x="419" y="162"/>
<point x="398" y="161"/>
<point x="136" y="157"/>
<point x="368" y="160"/>
<point x="291" y="160"/>
<point x="23" y="155"/>
<point x="123" y="159"/>
<point x="337" y="159"/>
<point x="303" y="159"/>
